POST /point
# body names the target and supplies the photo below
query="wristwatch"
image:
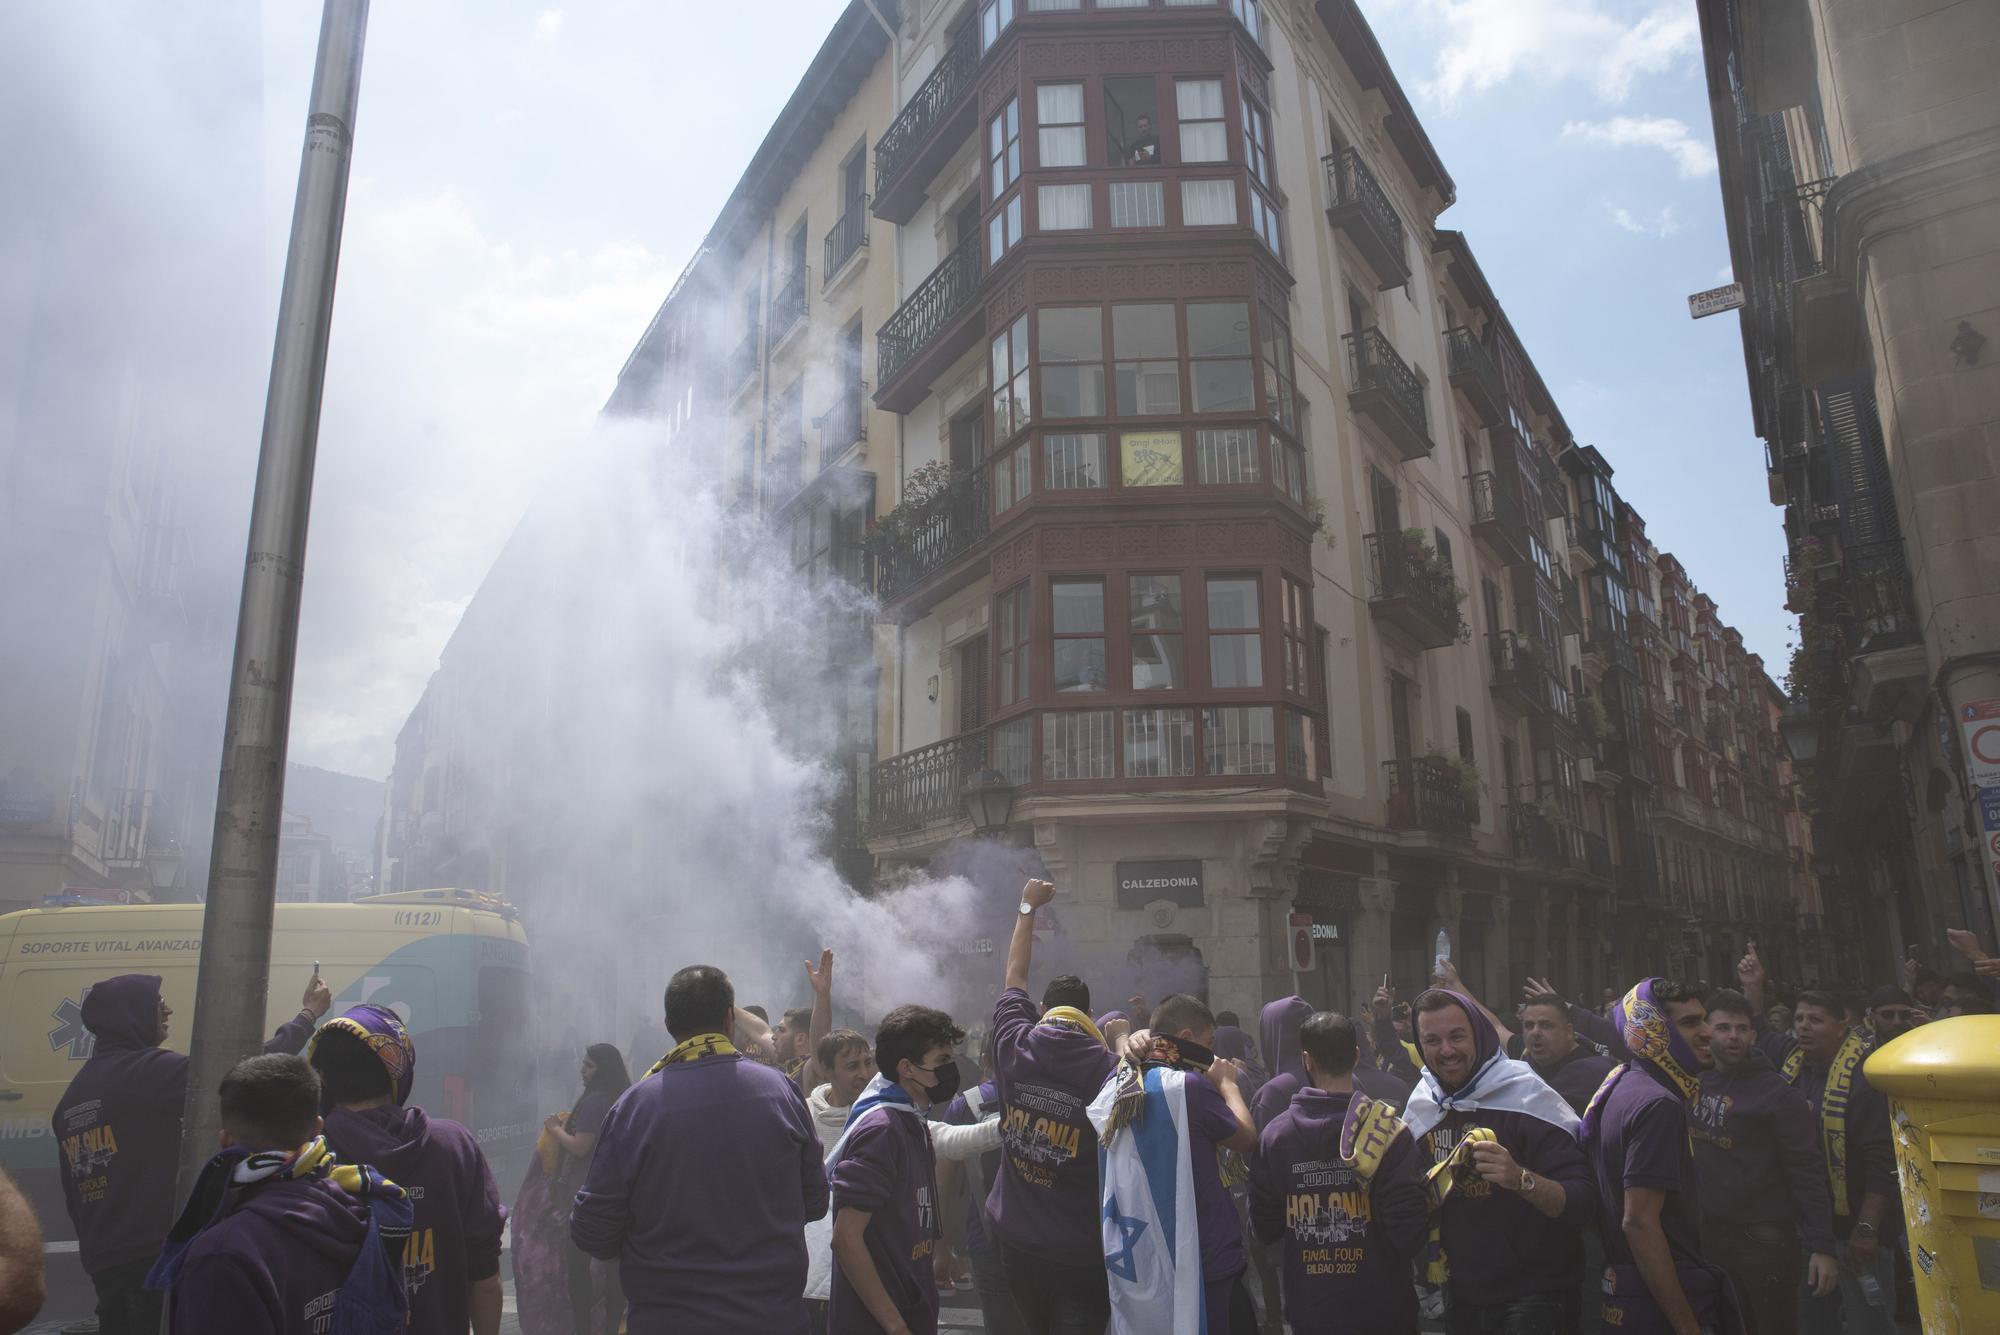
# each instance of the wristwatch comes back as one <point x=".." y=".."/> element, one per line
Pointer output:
<point x="1864" y="1229"/>
<point x="1527" y="1182"/>
<point x="1027" y="909"/>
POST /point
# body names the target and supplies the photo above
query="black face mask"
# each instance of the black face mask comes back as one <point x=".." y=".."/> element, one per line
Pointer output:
<point x="947" y="1082"/>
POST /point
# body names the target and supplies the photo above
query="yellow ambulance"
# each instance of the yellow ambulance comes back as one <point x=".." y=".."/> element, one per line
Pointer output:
<point x="452" y="963"/>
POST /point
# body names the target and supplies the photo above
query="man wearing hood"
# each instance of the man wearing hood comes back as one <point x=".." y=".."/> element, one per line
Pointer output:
<point x="278" y="1236"/>
<point x="118" y="1138"/>
<point x="1763" y="1182"/>
<point x="367" y="1064"/>
<point x="1514" y="1192"/>
<point x="1278" y="1033"/>
<point x="1636" y="1133"/>
<point x="1336" y="1180"/>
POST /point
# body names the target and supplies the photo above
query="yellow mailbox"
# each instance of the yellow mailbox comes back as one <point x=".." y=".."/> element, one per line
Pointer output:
<point x="1943" y="1084"/>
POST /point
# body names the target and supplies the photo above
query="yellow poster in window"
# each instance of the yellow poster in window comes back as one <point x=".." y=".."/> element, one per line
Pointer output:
<point x="1151" y="458"/>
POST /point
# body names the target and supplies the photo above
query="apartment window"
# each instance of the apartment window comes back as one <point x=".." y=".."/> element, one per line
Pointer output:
<point x="1003" y="231"/>
<point x="1076" y="744"/>
<point x="1301" y="753"/>
<point x="1465" y="735"/>
<point x="1290" y="462"/>
<point x="1280" y="393"/>
<point x="1235" y="646"/>
<point x="1013" y="645"/>
<point x="1073" y="461"/>
<point x="1298" y="629"/>
<point x="1071" y="349"/>
<point x="1063" y="208"/>
<point x="1266" y="222"/>
<point x="1131" y="122"/>
<point x="1198" y="105"/>
<point x="1013" y="478"/>
<point x="994" y="16"/>
<point x="1225" y="455"/>
<point x="1150" y="459"/>
<point x="1012" y="400"/>
<point x="1257" y="144"/>
<point x="1239" y="740"/>
<point x="1003" y="148"/>
<point x="1148" y="370"/>
<point x="1219" y="356"/>
<point x="1138" y="204"/>
<point x="1208" y="203"/>
<point x="1049" y="6"/>
<point x="1159" y="743"/>
<point x="1059" y="124"/>
<point x="1154" y="609"/>
<point x="1077" y="640"/>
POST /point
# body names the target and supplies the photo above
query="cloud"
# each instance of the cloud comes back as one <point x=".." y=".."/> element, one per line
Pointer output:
<point x="548" y="25"/>
<point x="1487" y="42"/>
<point x="1691" y="156"/>
<point x="1663" y="225"/>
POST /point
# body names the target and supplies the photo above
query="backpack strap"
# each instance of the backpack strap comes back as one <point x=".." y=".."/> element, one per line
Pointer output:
<point x="372" y="1299"/>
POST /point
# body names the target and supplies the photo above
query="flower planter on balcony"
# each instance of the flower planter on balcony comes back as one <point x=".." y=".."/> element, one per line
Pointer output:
<point x="1382" y="387"/>
<point x="930" y="127"/>
<point x="1358" y="206"/>
<point x="912" y="549"/>
<point x="1474" y="375"/>
<point x="1408" y="591"/>
<point x="928" y="332"/>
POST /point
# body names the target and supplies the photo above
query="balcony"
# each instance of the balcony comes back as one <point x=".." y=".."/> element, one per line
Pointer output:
<point x="845" y="424"/>
<point x="923" y="544"/>
<point x="1613" y="648"/>
<point x="1411" y="590"/>
<point x="928" y="332"/>
<point x="932" y="124"/>
<point x="848" y="238"/>
<point x="1474" y="375"/>
<point x="1498" y="522"/>
<point x="922" y="787"/>
<point x="1426" y="794"/>
<point x="788" y="305"/>
<point x="743" y="362"/>
<point x="1518" y="671"/>
<point x="1540" y="832"/>
<point x="1358" y="206"/>
<point x="1596" y="855"/>
<point x="1382" y="387"/>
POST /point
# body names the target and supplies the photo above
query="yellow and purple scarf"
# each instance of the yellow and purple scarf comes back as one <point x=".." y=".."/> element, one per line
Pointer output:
<point x="1833" y="1110"/>
<point x="1653" y="1042"/>
<point x="694" y="1049"/>
<point x="381" y="1031"/>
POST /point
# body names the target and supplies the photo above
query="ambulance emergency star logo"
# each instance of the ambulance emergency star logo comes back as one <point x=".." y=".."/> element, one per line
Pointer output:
<point x="69" y="1031"/>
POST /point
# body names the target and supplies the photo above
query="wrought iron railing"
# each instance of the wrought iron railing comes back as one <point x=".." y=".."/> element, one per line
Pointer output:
<point x="1467" y="356"/>
<point x="788" y="303"/>
<point x="1517" y="660"/>
<point x="928" y="107"/>
<point x="1373" y="363"/>
<point x="743" y="361"/>
<point x="1494" y="503"/>
<point x="845" y="423"/>
<point x="1426" y="793"/>
<point x="936" y="535"/>
<point x="1811" y="248"/>
<point x="1349" y="180"/>
<point x="947" y="293"/>
<point x="1880" y="580"/>
<point x="924" y="786"/>
<point x="1402" y="566"/>
<point x="849" y="235"/>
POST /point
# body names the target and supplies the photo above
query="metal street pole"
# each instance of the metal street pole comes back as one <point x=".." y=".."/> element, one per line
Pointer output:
<point x="242" y="878"/>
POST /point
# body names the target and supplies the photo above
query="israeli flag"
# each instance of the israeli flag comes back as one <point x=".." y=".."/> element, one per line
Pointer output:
<point x="1152" y="1247"/>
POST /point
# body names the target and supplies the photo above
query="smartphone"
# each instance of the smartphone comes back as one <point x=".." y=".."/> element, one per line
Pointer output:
<point x="315" y="968"/>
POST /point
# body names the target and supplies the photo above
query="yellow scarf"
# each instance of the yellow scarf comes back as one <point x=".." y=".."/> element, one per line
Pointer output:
<point x="1072" y="1018"/>
<point x="1833" y="1110"/>
<point x="1438" y="1184"/>
<point x="694" y="1049"/>
<point x="1365" y="1136"/>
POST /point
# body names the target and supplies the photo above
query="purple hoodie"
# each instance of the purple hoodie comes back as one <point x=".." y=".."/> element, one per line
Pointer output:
<point x="458" y="1216"/>
<point x="273" y="1265"/>
<point x="1757" y="1149"/>
<point x="704" y="1178"/>
<point x="1280" y="1024"/>
<point x="1348" y="1245"/>
<point x="118" y="1125"/>
<point x="1045" y="1199"/>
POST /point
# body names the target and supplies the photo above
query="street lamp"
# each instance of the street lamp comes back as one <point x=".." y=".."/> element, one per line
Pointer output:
<point x="163" y="866"/>
<point x="1801" y="731"/>
<point x="989" y="800"/>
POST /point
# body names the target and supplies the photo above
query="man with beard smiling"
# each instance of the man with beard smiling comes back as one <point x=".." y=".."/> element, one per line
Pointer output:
<point x="1890" y="1014"/>
<point x="1514" y="1190"/>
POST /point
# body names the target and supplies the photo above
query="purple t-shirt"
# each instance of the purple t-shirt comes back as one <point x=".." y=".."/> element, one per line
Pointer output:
<point x="889" y="1170"/>
<point x="1499" y="1247"/>
<point x="1642" y="1141"/>
<point x="1209" y="1124"/>
<point x="1044" y="1201"/>
<point x="1757" y="1153"/>
<point x="1348" y="1244"/>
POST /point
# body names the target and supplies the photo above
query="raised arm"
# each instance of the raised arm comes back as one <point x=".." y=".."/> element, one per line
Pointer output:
<point x="810" y="1076"/>
<point x="290" y="1038"/>
<point x="1448" y="976"/>
<point x="1021" y="950"/>
<point x="1750" y="975"/>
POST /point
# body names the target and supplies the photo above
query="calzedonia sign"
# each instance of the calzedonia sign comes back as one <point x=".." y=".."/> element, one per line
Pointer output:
<point x="1142" y="883"/>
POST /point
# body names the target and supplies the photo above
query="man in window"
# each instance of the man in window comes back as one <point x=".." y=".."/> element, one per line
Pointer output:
<point x="1144" y="148"/>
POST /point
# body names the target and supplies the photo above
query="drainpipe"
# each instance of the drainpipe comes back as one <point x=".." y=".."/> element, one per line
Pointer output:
<point x="896" y="287"/>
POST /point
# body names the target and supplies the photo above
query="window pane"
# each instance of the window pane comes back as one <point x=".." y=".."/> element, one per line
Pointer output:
<point x="1138" y="204"/>
<point x="1156" y="602"/>
<point x="1205" y="141"/>
<point x="1226" y="456"/>
<point x="1073" y="461"/>
<point x="1061" y="146"/>
<point x="1198" y="99"/>
<point x="1157" y="663"/>
<point x="1150" y="458"/>
<point x="1059" y="104"/>
<point x="1149" y="388"/>
<point x="1232" y="603"/>
<point x="1239" y="741"/>
<point x="1013" y="750"/>
<point x="1079" y="665"/>
<point x="1073" y="391"/>
<point x="1078" y="604"/>
<point x="1235" y="661"/>
<point x="1143" y="331"/>
<point x="1076" y="744"/>
<point x="1223" y="386"/>
<point x="1071" y="333"/>
<point x="1218" y="329"/>
<point x="1063" y="208"/>
<point x="1159" y="743"/>
<point x="1208" y="203"/>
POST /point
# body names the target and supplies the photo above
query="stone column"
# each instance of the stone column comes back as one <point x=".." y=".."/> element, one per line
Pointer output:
<point x="1368" y="953"/>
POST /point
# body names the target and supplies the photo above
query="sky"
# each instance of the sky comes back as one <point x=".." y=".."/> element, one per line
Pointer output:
<point x="528" y="180"/>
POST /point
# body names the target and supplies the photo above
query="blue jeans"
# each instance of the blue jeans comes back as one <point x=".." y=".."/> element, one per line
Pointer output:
<point x="1848" y="1310"/>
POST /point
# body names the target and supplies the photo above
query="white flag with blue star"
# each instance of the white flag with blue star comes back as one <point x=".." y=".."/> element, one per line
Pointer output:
<point x="1152" y="1245"/>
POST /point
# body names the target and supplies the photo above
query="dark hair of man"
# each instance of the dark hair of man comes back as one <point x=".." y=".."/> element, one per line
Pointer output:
<point x="1068" y="990"/>
<point x="1888" y="995"/>
<point x="349" y="1071"/>
<point x="270" y="1102"/>
<point x="1825" y="1001"/>
<point x="1668" y="991"/>
<point x="1437" y="999"/>
<point x="1728" y="1001"/>
<point x="1228" y="1020"/>
<point x="912" y="1031"/>
<point x="1181" y="1011"/>
<point x="699" y="999"/>
<point x="1329" y="1039"/>
<point x="836" y="1043"/>
<point x="798" y="1019"/>
<point x="1548" y="999"/>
